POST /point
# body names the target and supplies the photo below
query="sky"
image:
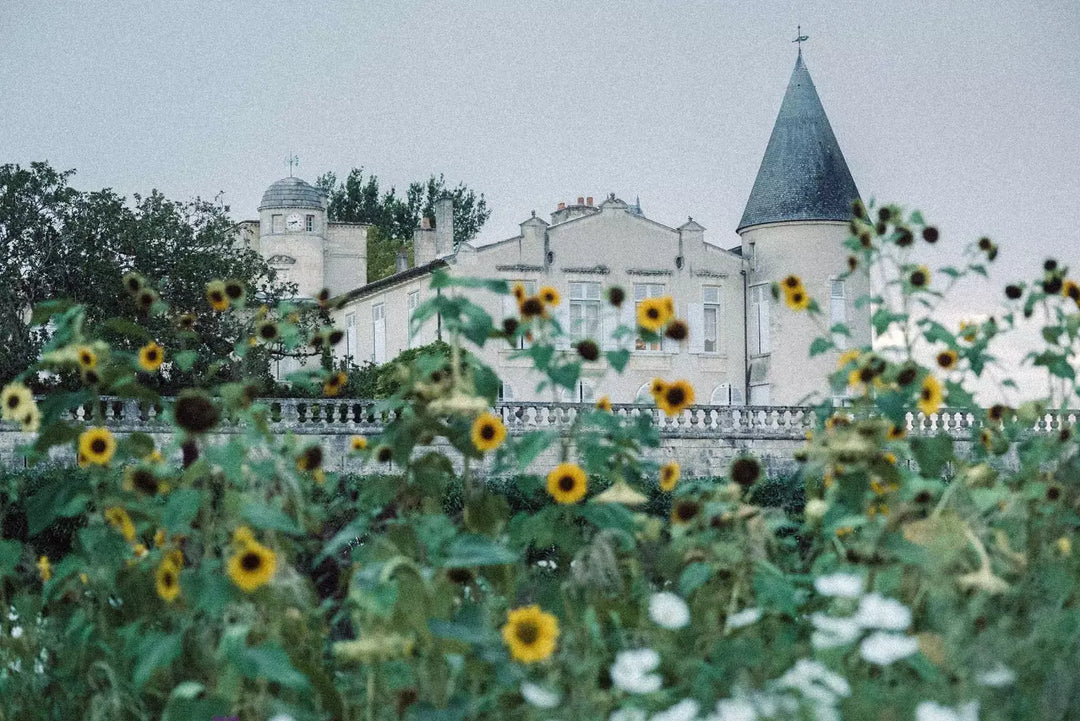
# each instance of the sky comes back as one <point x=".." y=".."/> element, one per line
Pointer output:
<point x="968" y="111"/>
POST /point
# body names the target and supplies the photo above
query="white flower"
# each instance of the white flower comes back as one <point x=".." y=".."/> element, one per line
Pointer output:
<point x="815" y="510"/>
<point x="685" y="710"/>
<point x="841" y="585"/>
<point x="808" y="677"/>
<point x="831" y="632"/>
<point x="668" y="610"/>
<point x="744" y="618"/>
<point x="931" y="711"/>
<point x="883" y="648"/>
<point x="734" y="709"/>
<point x="17" y="632"/>
<point x="632" y="671"/>
<point x="628" y="714"/>
<point x="998" y="677"/>
<point x="539" y="696"/>
<point x="877" y="611"/>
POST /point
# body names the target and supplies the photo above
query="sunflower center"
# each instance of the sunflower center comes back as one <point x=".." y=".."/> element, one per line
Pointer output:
<point x="216" y="296"/>
<point x="926" y="394"/>
<point x="268" y="331"/>
<point x="151" y="355"/>
<point x="653" y="313"/>
<point x="168" y="579"/>
<point x="567" y="483"/>
<point x="13" y="402"/>
<point x="250" y="561"/>
<point x="686" y="511"/>
<point x="527" y="632"/>
<point x="676" y="396"/>
<point x="98" y="445"/>
<point x="918" y="278"/>
<point x="487" y="432"/>
<point x="145" y="481"/>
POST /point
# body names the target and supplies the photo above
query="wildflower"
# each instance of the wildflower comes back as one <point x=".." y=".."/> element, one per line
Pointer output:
<point x="234" y="291"/>
<point x="675" y="397"/>
<point x="357" y="443"/>
<point x="932" y="711"/>
<point x="195" y="412"/>
<point x="677" y="330"/>
<point x="946" y="359"/>
<point x="567" y="483"/>
<point x="882" y="649"/>
<point x="539" y="696"/>
<point x="633" y="671"/>
<point x="919" y="277"/>
<point x="532" y="307"/>
<point x="119" y="519"/>
<point x="797" y="299"/>
<point x="616" y="296"/>
<point x="930" y="396"/>
<point x="488" y="432"/>
<point x="930" y="234"/>
<point x="588" y="349"/>
<point x="167" y="581"/>
<point x="146" y="298"/>
<point x="334" y="383"/>
<point x="530" y="633"/>
<point x="745" y="471"/>
<point x="267" y="331"/>
<point x="604" y="404"/>
<point x="215" y="295"/>
<point x="30" y="422"/>
<point x="142" y="479"/>
<point x="14" y="400"/>
<point x="830" y="632"/>
<point x="185" y="321"/>
<point x="87" y="357"/>
<point x="151" y="356"/>
<point x="310" y="458"/>
<point x="549" y="295"/>
<point x="133" y="282"/>
<point x="252" y="566"/>
<point x="669" y="476"/>
<point x="877" y="611"/>
<point x="44" y="568"/>
<point x="998" y="677"/>
<point x="1063" y="546"/>
<point x="685" y="710"/>
<point x="746" y="617"/>
<point x="652" y="314"/>
<point x="669" y="611"/>
<point x="97" y="445"/>
<point x="839" y="585"/>
<point x="684" y="511"/>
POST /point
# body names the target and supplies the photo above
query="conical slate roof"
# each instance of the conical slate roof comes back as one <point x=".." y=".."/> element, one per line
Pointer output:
<point x="803" y="175"/>
<point x="292" y="193"/>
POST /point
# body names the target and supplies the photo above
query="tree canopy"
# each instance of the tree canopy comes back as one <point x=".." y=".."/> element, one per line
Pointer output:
<point x="360" y="199"/>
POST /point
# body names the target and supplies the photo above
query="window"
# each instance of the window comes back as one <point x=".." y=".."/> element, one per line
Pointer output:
<point x="644" y="394"/>
<point x="641" y="292"/>
<point x="510" y="308"/>
<point x="838" y="310"/>
<point x="506" y="392"/>
<point x="350" y="336"/>
<point x="710" y="296"/>
<point x="278" y="223"/>
<point x="309" y="223"/>
<point x="584" y="310"/>
<point x="760" y="297"/>
<point x="378" y="323"/>
<point x="759" y="395"/>
<point x="413" y="304"/>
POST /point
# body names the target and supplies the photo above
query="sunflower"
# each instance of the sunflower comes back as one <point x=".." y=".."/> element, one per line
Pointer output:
<point x="930" y="396"/>
<point x="685" y="511"/>
<point x="142" y="479"/>
<point x="946" y="359"/>
<point x="530" y="634"/>
<point x="616" y="295"/>
<point x="549" y="295"/>
<point x="567" y="483"/>
<point x="357" y="443"/>
<point x="384" y="454"/>
<point x="335" y="336"/>
<point x="323" y="297"/>
<point x="652" y="314"/>
<point x="895" y="432"/>
<point x="252" y="566"/>
<point x="745" y="471"/>
<point x="215" y="295"/>
<point x="588" y="349"/>
<point x="133" y="282"/>
<point x="146" y="298"/>
<point x="848" y="356"/>
<point x="669" y="475"/>
<point x="675" y="397"/>
<point x="310" y="459"/>
<point x="532" y="307"/>
<point x="659" y="385"/>
<point x="31" y="420"/>
<point x="604" y="404"/>
<point x="267" y="331"/>
<point x="159" y="538"/>
<point x="195" y="412"/>
<point x="518" y="291"/>
<point x="97" y="445"/>
<point x="14" y="400"/>
<point x="920" y="277"/>
<point x="44" y="568"/>
<point x="119" y="519"/>
<point x="792" y="283"/>
<point x="997" y="412"/>
<point x="185" y="321"/>
<point x="167" y="580"/>
<point x="235" y="291"/>
<point x="677" y="330"/>
<point x="90" y="377"/>
<point x="796" y="299"/>
<point x="334" y="383"/>
<point x="488" y="432"/>
<point x="87" y="357"/>
<point x="151" y="356"/>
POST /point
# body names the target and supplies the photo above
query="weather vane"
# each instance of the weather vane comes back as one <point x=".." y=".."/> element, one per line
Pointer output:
<point x="291" y="161"/>
<point x="800" y="38"/>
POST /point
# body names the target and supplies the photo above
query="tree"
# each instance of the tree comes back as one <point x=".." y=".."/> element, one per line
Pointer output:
<point x="59" y="242"/>
<point x="360" y="200"/>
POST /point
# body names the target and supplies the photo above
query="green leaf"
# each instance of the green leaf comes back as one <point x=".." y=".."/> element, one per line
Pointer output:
<point x="9" y="556"/>
<point x="180" y="509"/>
<point x="155" y="651"/>
<point x="694" y="577"/>
<point x="443" y="279"/>
<point x="128" y="329"/>
<point x="916" y="218"/>
<point x="471" y="550"/>
<point x="935" y="332"/>
<point x="355" y="529"/>
<point x="61" y="498"/>
<point x="531" y="445"/>
<point x="56" y="434"/>
<point x="45" y="310"/>
<point x="269" y="662"/>
<point x="932" y="454"/>
<point x="840" y="329"/>
<point x="821" y="345"/>
<point x="565" y="375"/>
<point x="1056" y="363"/>
<point x="267" y="518"/>
<point x="185" y="359"/>
<point x="608" y="515"/>
<point x="775" y="591"/>
<point x="618" y="358"/>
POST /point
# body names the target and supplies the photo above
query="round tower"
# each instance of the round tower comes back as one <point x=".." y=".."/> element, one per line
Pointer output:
<point x="795" y="222"/>
<point x="292" y="233"/>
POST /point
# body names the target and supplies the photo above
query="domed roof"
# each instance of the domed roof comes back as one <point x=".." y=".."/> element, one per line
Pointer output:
<point x="293" y="193"/>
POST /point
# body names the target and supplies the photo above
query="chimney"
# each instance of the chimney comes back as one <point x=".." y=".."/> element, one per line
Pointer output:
<point x="588" y="201"/>
<point x="401" y="261"/>
<point x="423" y="241"/>
<point x="581" y="200"/>
<point x="562" y="206"/>
<point x="444" y="227"/>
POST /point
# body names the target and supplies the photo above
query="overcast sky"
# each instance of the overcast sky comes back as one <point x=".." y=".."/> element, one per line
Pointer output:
<point x="969" y="111"/>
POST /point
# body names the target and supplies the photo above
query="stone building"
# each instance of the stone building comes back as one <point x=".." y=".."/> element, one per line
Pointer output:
<point x="742" y="348"/>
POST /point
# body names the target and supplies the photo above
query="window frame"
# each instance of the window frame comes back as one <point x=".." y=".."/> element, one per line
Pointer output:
<point x="640" y="346"/>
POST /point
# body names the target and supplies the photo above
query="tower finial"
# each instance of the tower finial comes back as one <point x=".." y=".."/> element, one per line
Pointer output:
<point x="800" y="38"/>
<point x="292" y="160"/>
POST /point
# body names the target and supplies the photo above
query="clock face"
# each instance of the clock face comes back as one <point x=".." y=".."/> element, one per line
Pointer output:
<point x="293" y="222"/>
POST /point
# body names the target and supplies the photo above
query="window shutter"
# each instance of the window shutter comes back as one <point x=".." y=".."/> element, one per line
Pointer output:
<point x="350" y="344"/>
<point x="763" y="322"/>
<point x="562" y="315"/>
<point x="695" y="319"/>
<point x="628" y="317"/>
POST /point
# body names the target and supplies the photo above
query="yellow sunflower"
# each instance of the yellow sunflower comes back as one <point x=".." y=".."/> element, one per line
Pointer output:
<point x="334" y="384"/>
<point x="119" y="519"/>
<point x="357" y="443"/>
<point x="653" y="313"/>
<point x="87" y="357"/>
<point x="920" y="277"/>
<point x="151" y="356"/>
<point x="567" y="483"/>
<point x="30" y="422"/>
<point x="242" y="536"/>
<point x="167" y="580"/>
<point x="604" y="404"/>
<point x="215" y="295"/>
<point x="518" y="291"/>
<point x="14" y="400"/>
<point x="488" y="432"/>
<point x="97" y="445"/>
<point x="142" y="479"/>
<point x="931" y="395"/>
<point x="895" y="432"/>
<point x="44" y="568"/>
<point x="530" y="634"/>
<point x="848" y="356"/>
<point x="533" y="307"/>
<point x="159" y="538"/>
<point x="659" y="385"/>
<point x="946" y="359"/>
<point x="669" y="476"/>
<point x="549" y="295"/>
<point x="675" y="398"/>
<point x="252" y="566"/>
<point x="796" y="299"/>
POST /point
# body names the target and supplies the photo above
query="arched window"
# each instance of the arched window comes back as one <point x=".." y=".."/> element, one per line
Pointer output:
<point x="644" y="394"/>
<point x="721" y="395"/>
